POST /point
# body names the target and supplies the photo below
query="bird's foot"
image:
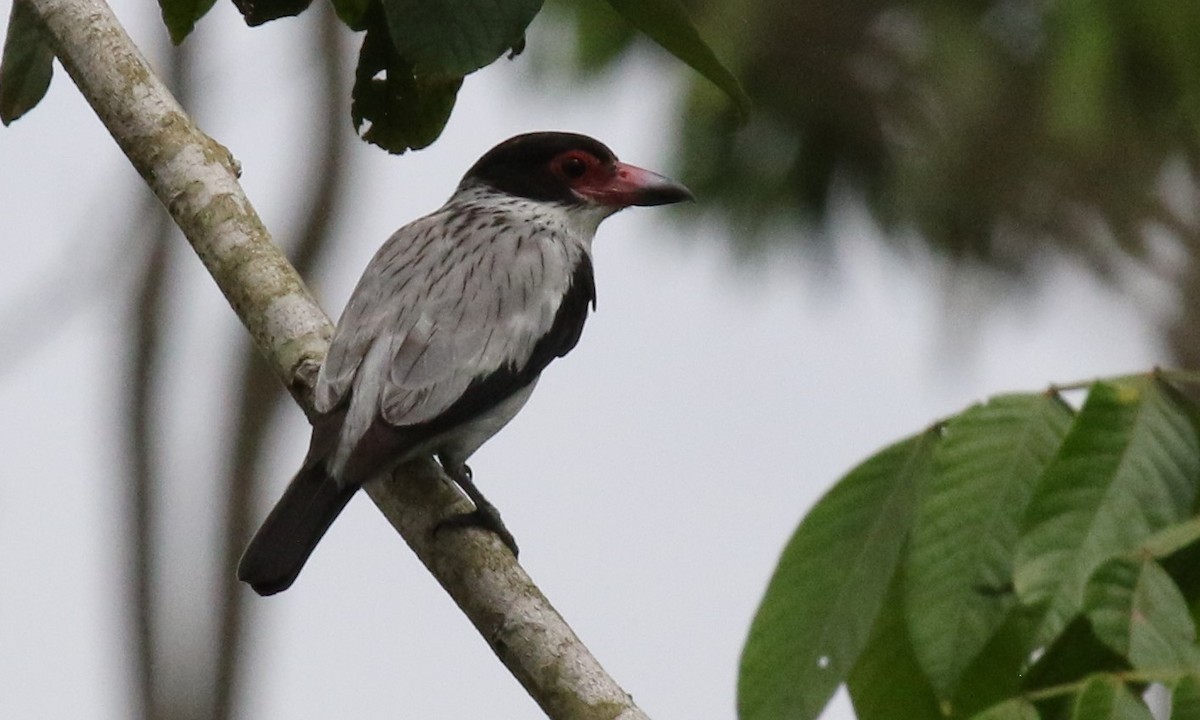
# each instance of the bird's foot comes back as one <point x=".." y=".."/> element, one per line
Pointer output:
<point x="485" y="518"/>
<point x="485" y="515"/>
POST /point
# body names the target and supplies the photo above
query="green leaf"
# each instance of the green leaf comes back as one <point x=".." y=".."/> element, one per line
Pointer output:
<point x="960" y="559"/>
<point x="1127" y="469"/>
<point x="392" y="106"/>
<point x="601" y="34"/>
<point x="823" y="599"/>
<point x="26" y="66"/>
<point x="257" y="12"/>
<point x="666" y="22"/>
<point x="1073" y="655"/>
<point x="1104" y="697"/>
<point x="1183" y="566"/>
<point x="998" y="671"/>
<point x="886" y="682"/>
<point x="1136" y="609"/>
<point x="457" y="37"/>
<point x="353" y="13"/>
<point x="1185" y="699"/>
<point x="180" y="16"/>
<point x="1013" y="709"/>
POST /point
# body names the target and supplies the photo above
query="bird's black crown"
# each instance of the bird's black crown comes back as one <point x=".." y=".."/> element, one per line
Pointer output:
<point x="521" y="165"/>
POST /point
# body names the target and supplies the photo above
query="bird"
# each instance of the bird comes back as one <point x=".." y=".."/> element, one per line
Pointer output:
<point x="448" y="330"/>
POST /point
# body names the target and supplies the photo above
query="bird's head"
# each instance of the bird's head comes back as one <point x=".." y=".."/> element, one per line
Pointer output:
<point x="572" y="170"/>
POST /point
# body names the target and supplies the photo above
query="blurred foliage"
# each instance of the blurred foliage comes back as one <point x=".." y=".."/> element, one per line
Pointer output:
<point x="992" y="130"/>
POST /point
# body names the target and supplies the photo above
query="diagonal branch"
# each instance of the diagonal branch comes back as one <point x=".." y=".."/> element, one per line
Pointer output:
<point x="195" y="178"/>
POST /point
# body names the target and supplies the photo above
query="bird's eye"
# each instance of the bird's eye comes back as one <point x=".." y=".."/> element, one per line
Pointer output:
<point x="573" y="167"/>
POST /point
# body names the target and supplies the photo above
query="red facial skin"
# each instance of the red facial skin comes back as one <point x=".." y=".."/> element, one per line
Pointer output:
<point x="615" y="183"/>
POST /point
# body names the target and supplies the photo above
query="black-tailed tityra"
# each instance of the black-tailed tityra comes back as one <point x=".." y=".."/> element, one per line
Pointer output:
<point x="449" y="327"/>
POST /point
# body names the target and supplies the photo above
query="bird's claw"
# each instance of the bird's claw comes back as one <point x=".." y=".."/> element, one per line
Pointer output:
<point x="485" y="515"/>
<point x="486" y="518"/>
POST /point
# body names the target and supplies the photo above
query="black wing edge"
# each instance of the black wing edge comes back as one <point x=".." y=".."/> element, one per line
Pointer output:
<point x="383" y="442"/>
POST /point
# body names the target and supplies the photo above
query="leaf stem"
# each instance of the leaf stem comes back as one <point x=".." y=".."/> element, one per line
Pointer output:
<point x="1161" y="676"/>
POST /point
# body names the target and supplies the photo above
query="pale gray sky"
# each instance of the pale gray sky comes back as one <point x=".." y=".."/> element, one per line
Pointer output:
<point x="651" y="481"/>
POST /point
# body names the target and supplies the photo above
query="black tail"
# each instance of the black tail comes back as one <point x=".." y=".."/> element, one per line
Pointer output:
<point x="290" y="533"/>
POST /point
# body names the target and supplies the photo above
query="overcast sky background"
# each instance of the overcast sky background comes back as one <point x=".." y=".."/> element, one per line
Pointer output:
<point x="652" y="481"/>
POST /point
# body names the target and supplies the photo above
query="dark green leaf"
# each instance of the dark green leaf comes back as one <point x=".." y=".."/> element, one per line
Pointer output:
<point x="257" y="12"/>
<point x="457" y="37"/>
<point x="1014" y="709"/>
<point x="1074" y="654"/>
<point x="1185" y="699"/>
<point x="352" y="12"/>
<point x="1127" y="469"/>
<point x="1104" y="697"/>
<point x="999" y="669"/>
<point x="821" y="604"/>
<point x="667" y="23"/>
<point x="965" y="533"/>
<point x="886" y="682"/>
<point x="1080" y="80"/>
<point x="1136" y="610"/>
<point x="180" y="16"/>
<point x="1183" y="566"/>
<point x="26" y="66"/>
<point x="401" y="110"/>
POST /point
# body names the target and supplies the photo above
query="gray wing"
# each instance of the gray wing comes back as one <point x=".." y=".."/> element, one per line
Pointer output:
<point x="370" y="312"/>
<point x="442" y="307"/>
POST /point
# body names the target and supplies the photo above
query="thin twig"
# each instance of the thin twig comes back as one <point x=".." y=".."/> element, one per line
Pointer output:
<point x="145" y="341"/>
<point x="261" y="398"/>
